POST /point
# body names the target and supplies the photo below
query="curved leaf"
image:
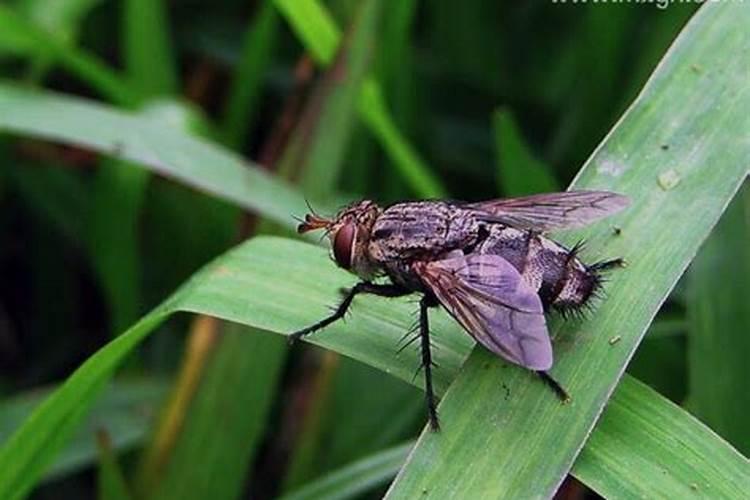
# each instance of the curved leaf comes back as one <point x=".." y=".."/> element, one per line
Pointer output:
<point x="278" y="285"/>
<point x="139" y="139"/>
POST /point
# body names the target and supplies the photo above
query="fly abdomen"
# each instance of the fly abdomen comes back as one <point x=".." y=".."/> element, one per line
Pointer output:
<point x="561" y="279"/>
<point x="576" y="287"/>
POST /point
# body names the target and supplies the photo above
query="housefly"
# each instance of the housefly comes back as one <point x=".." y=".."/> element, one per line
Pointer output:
<point x="489" y="264"/>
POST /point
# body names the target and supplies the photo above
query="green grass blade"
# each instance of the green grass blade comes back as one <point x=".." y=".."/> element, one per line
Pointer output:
<point x="315" y="28"/>
<point x="111" y="484"/>
<point x="375" y="114"/>
<point x="277" y="285"/>
<point x="719" y="319"/>
<point x="62" y="18"/>
<point x="28" y="452"/>
<point x="321" y="138"/>
<point x="315" y="154"/>
<point x="368" y="411"/>
<point x="240" y="110"/>
<point x="56" y="195"/>
<point x="519" y="171"/>
<point x="148" y="54"/>
<point x="646" y="447"/>
<point x="355" y="479"/>
<point x="21" y="37"/>
<point x="530" y="441"/>
<point x="140" y="140"/>
<point x="116" y="196"/>
<point x="125" y="410"/>
<point x="225" y="421"/>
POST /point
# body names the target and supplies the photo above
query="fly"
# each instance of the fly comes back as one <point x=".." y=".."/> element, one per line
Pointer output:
<point x="489" y="264"/>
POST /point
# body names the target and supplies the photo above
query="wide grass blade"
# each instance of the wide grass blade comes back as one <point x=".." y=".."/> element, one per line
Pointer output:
<point x="278" y="285"/>
<point x="149" y="143"/>
<point x="671" y="155"/>
<point x="646" y="447"/>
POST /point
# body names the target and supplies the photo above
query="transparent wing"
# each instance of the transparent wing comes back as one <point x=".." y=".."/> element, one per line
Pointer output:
<point x="549" y="211"/>
<point x="488" y="297"/>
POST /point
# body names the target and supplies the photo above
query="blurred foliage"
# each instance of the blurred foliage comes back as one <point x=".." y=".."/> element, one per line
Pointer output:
<point x="340" y="99"/>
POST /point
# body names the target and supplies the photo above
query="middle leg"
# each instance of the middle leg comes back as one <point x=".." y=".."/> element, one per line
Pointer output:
<point x="427" y="363"/>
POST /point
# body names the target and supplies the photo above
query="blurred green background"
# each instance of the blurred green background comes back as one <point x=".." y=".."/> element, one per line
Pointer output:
<point x="474" y="100"/>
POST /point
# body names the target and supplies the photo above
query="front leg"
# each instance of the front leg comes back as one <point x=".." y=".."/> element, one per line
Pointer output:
<point x="361" y="287"/>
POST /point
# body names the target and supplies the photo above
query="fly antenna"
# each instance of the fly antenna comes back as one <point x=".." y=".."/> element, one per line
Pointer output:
<point x="312" y="220"/>
<point x="310" y="208"/>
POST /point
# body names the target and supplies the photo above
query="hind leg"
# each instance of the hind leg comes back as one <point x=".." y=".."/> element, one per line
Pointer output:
<point x="554" y="385"/>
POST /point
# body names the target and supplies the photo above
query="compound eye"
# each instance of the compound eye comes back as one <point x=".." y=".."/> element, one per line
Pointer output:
<point x="343" y="245"/>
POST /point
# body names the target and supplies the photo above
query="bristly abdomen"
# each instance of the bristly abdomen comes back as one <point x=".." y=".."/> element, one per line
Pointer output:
<point x="562" y="280"/>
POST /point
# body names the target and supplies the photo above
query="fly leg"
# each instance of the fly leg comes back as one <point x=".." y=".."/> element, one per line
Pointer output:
<point x="427" y="364"/>
<point x="554" y="385"/>
<point x="361" y="287"/>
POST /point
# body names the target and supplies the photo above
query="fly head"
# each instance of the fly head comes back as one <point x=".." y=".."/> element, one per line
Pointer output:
<point x="349" y="234"/>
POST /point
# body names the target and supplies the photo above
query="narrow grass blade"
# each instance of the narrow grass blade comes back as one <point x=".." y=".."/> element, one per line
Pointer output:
<point x="148" y="53"/>
<point x="117" y="193"/>
<point x="529" y="440"/>
<point x="719" y="319"/>
<point x="519" y="171"/>
<point x="416" y="173"/>
<point x="240" y="109"/>
<point x="317" y="31"/>
<point x="21" y="37"/>
<point x="27" y="454"/>
<point x="63" y="18"/>
<point x="125" y="410"/>
<point x="320" y="140"/>
<point x="111" y="481"/>
<point x="355" y="479"/>
<point x="314" y="26"/>
<point x="225" y="421"/>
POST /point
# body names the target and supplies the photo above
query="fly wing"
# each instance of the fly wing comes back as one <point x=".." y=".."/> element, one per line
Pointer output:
<point x="549" y="211"/>
<point x="488" y="297"/>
